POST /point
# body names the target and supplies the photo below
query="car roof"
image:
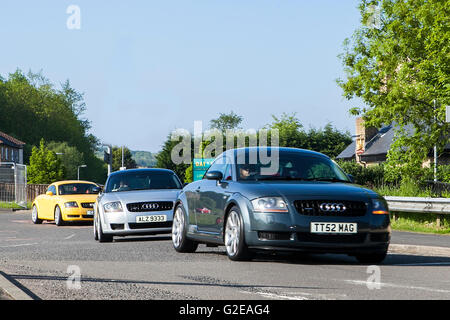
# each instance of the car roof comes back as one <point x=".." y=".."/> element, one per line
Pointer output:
<point x="280" y="149"/>
<point x="58" y="183"/>
<point x="141" y="170"/>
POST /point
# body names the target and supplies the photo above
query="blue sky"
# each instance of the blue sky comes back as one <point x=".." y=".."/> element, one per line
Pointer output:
<point x="148" y="67"/>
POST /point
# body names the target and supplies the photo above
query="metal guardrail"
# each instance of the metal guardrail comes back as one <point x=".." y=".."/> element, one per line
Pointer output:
<point x="415" y="204"/>
<point x="438" y="206"/>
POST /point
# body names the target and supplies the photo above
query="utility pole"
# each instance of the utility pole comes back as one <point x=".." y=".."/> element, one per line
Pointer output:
<point x="435" y="147"/>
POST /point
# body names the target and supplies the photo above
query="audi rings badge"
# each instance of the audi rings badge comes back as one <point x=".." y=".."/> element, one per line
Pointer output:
<point x="332" y="207"/>
<point x="150" y="206"/>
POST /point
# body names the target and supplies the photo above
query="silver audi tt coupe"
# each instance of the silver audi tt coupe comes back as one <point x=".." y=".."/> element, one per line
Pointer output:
<point x="136" y="202"/>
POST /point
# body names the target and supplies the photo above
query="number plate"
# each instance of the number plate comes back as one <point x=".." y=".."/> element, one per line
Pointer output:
<point x="334" y="227"/>
<point x="90" y="212"/>
<point x="154" y="218"/>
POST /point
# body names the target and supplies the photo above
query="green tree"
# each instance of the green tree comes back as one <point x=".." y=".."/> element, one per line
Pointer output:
<point x="399" y="69"/>
<point x="225" y="122"/>
<point x="45" y="167"/>
<point x="327" y="140"/>
<point x="164" y="158"/>
<point x="291" y="133"/>
<point x="70" y="158"/>
<point x="128" y="161"/>
<point x="189" y="174"/>
<point x="32" y="108"/>
<point x="144" y="158"/>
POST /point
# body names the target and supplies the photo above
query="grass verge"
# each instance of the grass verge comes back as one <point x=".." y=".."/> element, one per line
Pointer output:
<point x="420" y="222"/>
<point x="13" y="205"/>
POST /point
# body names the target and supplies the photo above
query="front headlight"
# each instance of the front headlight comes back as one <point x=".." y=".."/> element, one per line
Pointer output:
<point x="379" y="206"/>
<point x="113" y="207"/>
<point x="269" y="204"/>
<point x="71" y="204"/>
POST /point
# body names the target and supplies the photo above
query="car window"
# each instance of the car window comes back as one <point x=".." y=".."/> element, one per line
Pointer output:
<point x="293" y="166"/>
<point x="228" y="173"/>
<point x="221" y="164"/>
<point x="76" y="188"/>
<point x="144" y="180"/>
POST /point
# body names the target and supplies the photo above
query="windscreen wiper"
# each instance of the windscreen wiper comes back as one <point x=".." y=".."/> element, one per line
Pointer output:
<point x="328" y="179"/>
<point x="281" y="178"/>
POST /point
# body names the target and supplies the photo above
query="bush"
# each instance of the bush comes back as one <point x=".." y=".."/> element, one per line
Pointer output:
<point x="370" y="176"/>
<point x="443" y="173"/>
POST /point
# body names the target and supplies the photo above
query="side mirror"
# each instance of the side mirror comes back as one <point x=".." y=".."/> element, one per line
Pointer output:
<point x="96" y="190"/>
<point x="351" y="177"/>
<point x="49" y="193"/>
<point x="214" y="175"/>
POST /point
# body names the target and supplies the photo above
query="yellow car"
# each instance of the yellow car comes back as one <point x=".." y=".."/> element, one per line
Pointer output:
<point x="64" y="201"/>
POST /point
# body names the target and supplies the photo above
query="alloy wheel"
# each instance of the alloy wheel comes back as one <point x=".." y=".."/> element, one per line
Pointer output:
<point x="178" y="227"/>
<point x="232" y="233"/>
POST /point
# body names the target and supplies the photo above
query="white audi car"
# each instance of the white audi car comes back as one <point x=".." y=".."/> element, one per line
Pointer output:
<point x="136" y="202"/>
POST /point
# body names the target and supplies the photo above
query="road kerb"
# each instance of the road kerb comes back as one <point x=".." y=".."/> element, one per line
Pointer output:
<point x="14" y="291"/>
<point x="420" y="250"/>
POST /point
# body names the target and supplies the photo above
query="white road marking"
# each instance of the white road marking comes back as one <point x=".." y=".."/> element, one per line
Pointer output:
<point x="424" y="264"/>
<point x="20" y="245"/>
<point x="15" y="239"/>
<point x="22" y="221"/>
<point x="277" y="296"/>
<point x="69" y="237"/>
<point x="399" y="286"/>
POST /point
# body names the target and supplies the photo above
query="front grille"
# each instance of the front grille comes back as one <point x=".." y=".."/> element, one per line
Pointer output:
<point x="312" y="208"/>
<point x="150" y="225"/>
<point x="331" y="238"/>
<point x="150" y="206"/>
<point x="264" y="235"/>
<point x="87" y="205"/>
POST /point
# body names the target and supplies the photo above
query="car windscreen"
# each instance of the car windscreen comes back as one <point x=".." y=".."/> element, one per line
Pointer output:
<point x="291" y="166"/>
<point x="76" y="188"/>
<point x="146" y="180"/>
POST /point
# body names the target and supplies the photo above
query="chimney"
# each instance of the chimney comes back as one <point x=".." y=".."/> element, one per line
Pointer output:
<point x="363" y="135"/>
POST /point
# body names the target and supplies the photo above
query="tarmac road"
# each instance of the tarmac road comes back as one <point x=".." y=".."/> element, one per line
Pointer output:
<point x="44" y="260"/>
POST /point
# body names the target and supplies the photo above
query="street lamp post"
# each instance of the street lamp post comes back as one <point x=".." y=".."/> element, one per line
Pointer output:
<point x="82" y="166"/>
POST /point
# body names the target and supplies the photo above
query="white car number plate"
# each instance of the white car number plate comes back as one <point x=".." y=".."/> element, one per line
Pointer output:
<point x="90" y="212"/>
<point x="153" y="218"/>
<point x="334" y="227"/>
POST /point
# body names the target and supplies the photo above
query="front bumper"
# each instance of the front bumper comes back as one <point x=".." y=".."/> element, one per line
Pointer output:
<point x="125" y="223"/>
<point x="361" y="242"/>
<point x="77" y="214"/>
<point x="292" y="232"/>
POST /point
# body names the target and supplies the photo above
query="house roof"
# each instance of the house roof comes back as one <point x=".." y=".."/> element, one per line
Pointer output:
<point x="7" y="139"/>
<point x="348" y="152"/>
<point x="379" y="144"/>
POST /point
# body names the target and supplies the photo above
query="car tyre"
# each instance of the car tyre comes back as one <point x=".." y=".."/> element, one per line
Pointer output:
<point x="95" y="229"/>
<point x="59" y="221"/>
<point x="371" y="258"/>
<point x="237" y="249"/>
<point x="100" y="235"/>
<point x="179" y="240"/>
<point x="35" y="215"/>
